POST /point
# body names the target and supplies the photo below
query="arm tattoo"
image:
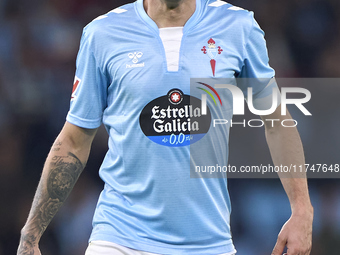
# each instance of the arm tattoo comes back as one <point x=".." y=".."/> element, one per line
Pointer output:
<point x="26" y="245"/>
<point x="56" y="146"/>
<point x="63" y="174"/>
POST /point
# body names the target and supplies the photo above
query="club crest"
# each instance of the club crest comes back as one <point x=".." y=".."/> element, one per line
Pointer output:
<point x="212" y="51"/>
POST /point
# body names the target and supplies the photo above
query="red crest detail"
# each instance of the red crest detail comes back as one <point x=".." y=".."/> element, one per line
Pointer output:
<point x="211" y="41"/>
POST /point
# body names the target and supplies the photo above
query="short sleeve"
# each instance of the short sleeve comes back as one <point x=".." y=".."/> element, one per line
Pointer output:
<point x="89" y="92"/>
<point x="256" y="71"/>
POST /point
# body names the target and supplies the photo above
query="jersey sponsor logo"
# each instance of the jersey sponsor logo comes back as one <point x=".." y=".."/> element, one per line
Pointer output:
<point x="212" y="51"/>
<point x="76" y="84"/>
<point x="135" y="56"/>
<point x="175" y="119"/>
<point x="176" y="97"/>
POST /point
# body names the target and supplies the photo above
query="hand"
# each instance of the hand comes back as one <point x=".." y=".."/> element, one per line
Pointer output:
<point x="296" y="234"/>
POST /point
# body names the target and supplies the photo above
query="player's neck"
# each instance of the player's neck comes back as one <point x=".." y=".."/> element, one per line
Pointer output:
<point x="170" y="13"/>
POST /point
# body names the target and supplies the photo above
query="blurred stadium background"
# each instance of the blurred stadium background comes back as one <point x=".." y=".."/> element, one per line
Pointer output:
<point x="39" y="40"/>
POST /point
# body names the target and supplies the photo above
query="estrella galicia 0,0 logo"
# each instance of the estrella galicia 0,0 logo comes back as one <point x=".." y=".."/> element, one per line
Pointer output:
<point x="174" y="119"/>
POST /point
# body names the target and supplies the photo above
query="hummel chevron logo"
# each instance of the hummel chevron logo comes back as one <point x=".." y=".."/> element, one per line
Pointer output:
<point x="135" y="56"/>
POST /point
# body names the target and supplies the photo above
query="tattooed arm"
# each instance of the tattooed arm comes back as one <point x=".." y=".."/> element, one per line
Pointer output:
<point x="63" y="166"/>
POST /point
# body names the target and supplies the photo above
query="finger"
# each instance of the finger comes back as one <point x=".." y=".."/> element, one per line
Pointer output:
<point x="297" y="249"/>
<point x="279" y="246"/>
<point x="293" y="252"/>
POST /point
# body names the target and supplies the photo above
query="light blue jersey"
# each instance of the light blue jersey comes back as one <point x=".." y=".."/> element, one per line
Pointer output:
<point x="149" y="201"/>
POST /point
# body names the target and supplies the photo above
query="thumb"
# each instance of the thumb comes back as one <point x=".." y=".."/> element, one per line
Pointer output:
<point x="279" y="246"/>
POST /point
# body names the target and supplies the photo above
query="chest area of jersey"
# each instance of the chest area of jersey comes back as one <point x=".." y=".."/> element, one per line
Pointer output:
<point x="168" y="103"/>
<point x="205" y="57"/>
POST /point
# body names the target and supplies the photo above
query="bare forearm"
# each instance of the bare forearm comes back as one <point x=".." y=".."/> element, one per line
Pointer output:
<point x="63" y="166"/>
<point x="286" y="149"/>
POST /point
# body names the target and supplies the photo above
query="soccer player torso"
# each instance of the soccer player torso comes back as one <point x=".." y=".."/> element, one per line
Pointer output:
<point x="154" y="118"/>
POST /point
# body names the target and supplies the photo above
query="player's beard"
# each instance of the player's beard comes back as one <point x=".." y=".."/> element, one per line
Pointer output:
<point x="172" y="4"/>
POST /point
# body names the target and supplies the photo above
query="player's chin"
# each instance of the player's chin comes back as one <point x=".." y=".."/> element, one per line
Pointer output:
<point x="172" y="3"/>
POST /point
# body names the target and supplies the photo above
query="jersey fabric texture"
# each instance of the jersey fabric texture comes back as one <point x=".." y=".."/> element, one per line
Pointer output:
<point x="149" y="202"/>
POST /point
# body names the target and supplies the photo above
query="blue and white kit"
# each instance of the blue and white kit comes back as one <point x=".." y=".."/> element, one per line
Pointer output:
<point x="124" y="80"/>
